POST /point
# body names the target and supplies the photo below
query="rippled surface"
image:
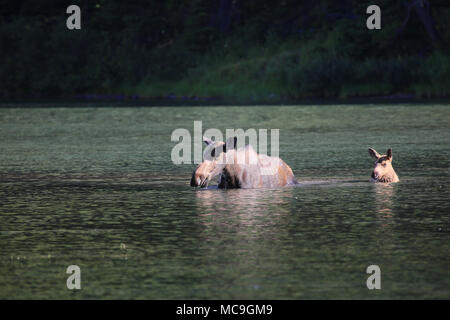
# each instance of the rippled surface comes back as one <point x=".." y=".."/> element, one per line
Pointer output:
<point x="96" y="187"/>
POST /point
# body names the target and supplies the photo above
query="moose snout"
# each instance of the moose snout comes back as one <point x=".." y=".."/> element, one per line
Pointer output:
<point x="199" y="180"/>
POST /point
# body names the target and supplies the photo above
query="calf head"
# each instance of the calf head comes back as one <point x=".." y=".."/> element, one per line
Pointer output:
<point x="383" y="170"/>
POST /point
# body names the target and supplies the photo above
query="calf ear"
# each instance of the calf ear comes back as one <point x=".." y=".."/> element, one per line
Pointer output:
<point x="230" y="144"/>
<point x="373" y="153"/>
<point x="207" y="141"/>
<point x="389" y="154"/>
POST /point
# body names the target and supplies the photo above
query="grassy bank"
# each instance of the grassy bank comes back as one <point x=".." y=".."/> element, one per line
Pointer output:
<point x="224" y="50"/>
<point x="284" y="76"/>
<point x="299" y="71"/>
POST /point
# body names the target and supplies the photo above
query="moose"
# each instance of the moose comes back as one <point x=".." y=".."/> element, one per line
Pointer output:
<point x="383" y="170"/>
<point x="240" y="167"/>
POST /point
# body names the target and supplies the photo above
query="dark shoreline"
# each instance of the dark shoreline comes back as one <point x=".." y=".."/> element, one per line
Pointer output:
<point x="172" y="101"/>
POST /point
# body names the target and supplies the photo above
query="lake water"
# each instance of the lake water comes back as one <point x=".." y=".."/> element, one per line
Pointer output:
<point x="95" y="187"/>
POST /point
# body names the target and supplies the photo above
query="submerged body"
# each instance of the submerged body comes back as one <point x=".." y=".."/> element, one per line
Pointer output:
<point x="265" y="172"/>
<point x="241" y="168"/>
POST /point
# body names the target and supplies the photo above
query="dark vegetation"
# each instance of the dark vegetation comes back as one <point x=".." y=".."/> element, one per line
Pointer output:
<point x="230" y="49"/>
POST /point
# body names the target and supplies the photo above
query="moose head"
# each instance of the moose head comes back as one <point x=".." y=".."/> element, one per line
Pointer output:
<point x="213" y="161"/>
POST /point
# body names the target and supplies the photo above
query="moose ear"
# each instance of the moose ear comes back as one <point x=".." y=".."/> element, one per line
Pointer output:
<point x="230" y="144"/>
<point x="389" y="154"/>
<point x="373" y="153"/>
<point x="207" y="141"/>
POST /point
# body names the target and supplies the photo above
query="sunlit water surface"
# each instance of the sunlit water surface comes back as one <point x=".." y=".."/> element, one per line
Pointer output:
<point x="95" y="187"/>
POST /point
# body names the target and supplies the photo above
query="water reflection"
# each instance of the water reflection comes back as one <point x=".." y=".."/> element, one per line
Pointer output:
<point x="384" y="194"/>
<point x="243" y="232"/>
<point x="384" y="206"/>
<point x="248" y="213"/>
<point x="252" y="201"/>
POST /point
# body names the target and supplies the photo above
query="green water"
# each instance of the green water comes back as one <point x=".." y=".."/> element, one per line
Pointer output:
<point x="95" y="187"/>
